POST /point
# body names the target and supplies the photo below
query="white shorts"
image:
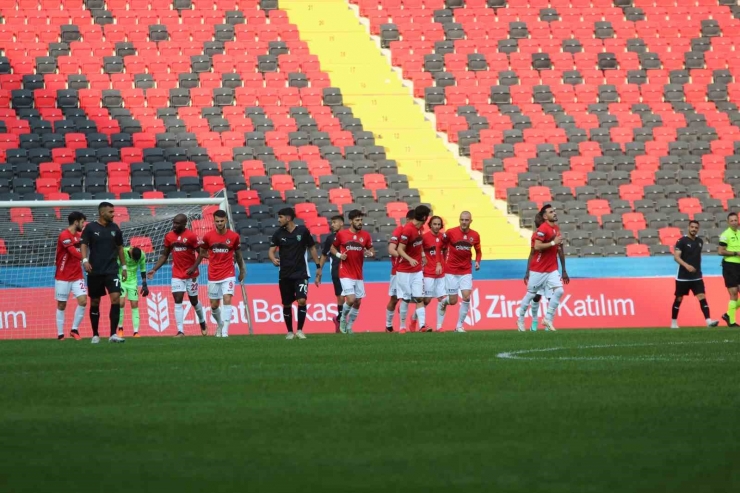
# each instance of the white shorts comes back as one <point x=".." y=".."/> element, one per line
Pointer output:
<point x="393" y="286"/>
<point x="434" y="287"/>
<point x="545" y="281"/>
<point x="410" y="285"/>
<point x="189" y="286"/>
<point x="352" y="287"/>
<point x="217" y="289"/>
<point x="455" y="283"/>
<point x="545" y="292"/>
<point x="63" y="288"/>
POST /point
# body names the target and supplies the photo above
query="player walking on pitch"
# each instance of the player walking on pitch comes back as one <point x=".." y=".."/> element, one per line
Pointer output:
<point x="221" y="245"/>
<point x="543" y="268"/>
<point x="102" y="251"/>
<point x="409" y="275"/>
<point x="390" y="309"/>
<point x="434" y="244"/>
<point x="461" y="241"/>
<point x="687" y="255"/>
<point x="293" y="243"/>
<point x="729" y="249"/>
<point x="352" y="246"/>
<point x="135" y="258"/>
<point x="544" y="291"/>
<point x="337" y="223"/>
<point x="68" y="275"/>
<point x="183" y="244"/>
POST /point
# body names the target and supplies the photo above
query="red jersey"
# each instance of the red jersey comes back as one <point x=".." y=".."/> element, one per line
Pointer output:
<point x="184" y="248"/>
<point x="221" y="259"/>
<point x="354" y="245"/>
<point x="411" y="237"/>
<point x="69" y="258"/>
<point x="460" y="247"/>
<point x="545" y="260"/>
<point x="394" y="240"/>
<point x="433" y="246"/>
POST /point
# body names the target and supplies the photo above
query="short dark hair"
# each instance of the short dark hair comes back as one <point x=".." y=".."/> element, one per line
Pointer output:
<point x="220" y="213"/>
<point x="538" y="220"/>
<point x="731" y="214"/>
<point x="135" y="253"/>
<point x="436" y="217"/>
<point x="694" y="221"/>
<point x="287" y="211"/>
<point x="544" y="209"/>
<point x="337" y="218"/>
<point x="354" y="214"/>
<point x="410" y="214"/>
<point x="103" y="205"/>
<point x="75" y="216"/>
<point x="421" y="213"/>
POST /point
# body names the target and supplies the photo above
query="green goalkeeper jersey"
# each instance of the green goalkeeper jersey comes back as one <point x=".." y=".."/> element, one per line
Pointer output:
<point x="131" y="266"/>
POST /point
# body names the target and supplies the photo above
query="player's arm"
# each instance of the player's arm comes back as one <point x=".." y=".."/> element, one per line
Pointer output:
<point x="73" y="251"/>
<point x="271" y="255"/>
<point x="85" y="249"/>
<point x="325" y="251"/>
<point x="561" y="255"/>
<point x="723" y="251"/>
<point x="160" y="261"/>
<point x="541" y="246"/>
<point x="121" y="255"/>
<point x="142" y="271"/>
<point x="335" y="247"/>
<point x="370" y="251"/>
<point x="240" y="262"/>
<point x="478" y="255"/>
<point x="529" y="260"/>
<point x="677" y="257"/>
<point x="393" y="246"/>
<point x="402" y="253"/>
<point x="202" y="253"/>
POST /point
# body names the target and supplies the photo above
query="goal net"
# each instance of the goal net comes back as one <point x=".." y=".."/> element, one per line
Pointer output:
<point x="28" y="238"/>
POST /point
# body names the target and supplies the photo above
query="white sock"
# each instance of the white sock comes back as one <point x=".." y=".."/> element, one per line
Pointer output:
<point x="674" y="321"/>
<point x="389" y="317"/>
<point x="79" y="315"/>
<point x="421" y="314"/>
<point x="535" y="310"/>
<point x="179" y="316"/>
<point x="345" y="311"/>
<point x="227" y="319"/>
<point x="60" y="322"/>
<point x="200" y="313"/>
<point x="217" y="315"/>
<point x="525" y="304"/>
<point x="445" y="301"/>
<point x="464" y="307"/>
<point x="707" y="320"/>
<point x="352" y="316"/>
<point x="552" y="305"/>
<point x="402" y="312"/>
<point x="440" y="314"/>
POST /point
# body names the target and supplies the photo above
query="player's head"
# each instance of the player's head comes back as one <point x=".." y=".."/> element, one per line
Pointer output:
<point x="76" y="219"/>
<point x="548" y="213"/>
<point x="538" y="220"/>
<point x="179" y="222"/>
<point x="421" y="213"/>
<point x="135" y="253"/>
<point x="732" y="220"/>
<point x="436" y="224"/>
<point x="286" y="216"/>
<point x="219" y="218"/>
<point x="106" y="211"/>
<point x="693" y="228"/>
<point x="355" y="219"/>
<point x="410" y="215"/>
<point x="337" y="223"/>
<point x="466" y="218"/>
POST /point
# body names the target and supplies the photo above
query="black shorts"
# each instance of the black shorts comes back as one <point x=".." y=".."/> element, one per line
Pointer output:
<point x="685" y="287"/>
<point x="731" y="274"/>
<point x="293" y="289"/>
<point x="337" y="285"/>
<point x="97" y="285"/>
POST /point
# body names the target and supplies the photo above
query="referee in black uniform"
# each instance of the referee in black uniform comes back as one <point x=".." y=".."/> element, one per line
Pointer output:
<point x="337" y="223"/>
<point x="293" y="242"/>
<point x="687" y="254"/>
<point x="102" y="249"/>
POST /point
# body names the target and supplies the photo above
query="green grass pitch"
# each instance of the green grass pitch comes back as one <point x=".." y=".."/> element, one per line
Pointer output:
<point x="572" y="411"/>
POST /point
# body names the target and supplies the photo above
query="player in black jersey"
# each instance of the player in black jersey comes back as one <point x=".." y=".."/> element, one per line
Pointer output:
<point x="293" y="242"/>
<point x="687" y="254"/>
<point x="337" y="223"/>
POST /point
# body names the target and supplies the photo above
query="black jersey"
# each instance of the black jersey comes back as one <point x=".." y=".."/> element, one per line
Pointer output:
<point x="103" y="242"/>
<point x="691" y="254"/>
<point x="326" y="250"/>
<point x="293" y="249"/>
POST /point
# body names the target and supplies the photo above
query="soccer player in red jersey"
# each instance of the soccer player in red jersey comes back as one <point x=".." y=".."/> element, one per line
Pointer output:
<point x="547" y="293"/>
<point x="222" y="247"/>
<point x="183" y="244"/>
<point x="393" y="286"/>
<point x="409" y="274"/>
<point x="543" y="267"/>
<point x="352" y="245"/>
<point x="434" y="244"/>
<point x="68" y="275"/>
<point x="461" y="241"/>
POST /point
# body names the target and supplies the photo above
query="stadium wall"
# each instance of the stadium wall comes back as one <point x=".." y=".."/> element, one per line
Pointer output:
<point x="603" y="293"/>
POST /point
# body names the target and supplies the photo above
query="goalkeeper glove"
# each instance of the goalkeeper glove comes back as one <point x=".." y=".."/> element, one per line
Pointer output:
<point x="144" y="290"/>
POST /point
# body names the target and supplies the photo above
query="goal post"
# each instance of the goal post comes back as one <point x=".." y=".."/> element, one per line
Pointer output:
<point x="28" y="238"/>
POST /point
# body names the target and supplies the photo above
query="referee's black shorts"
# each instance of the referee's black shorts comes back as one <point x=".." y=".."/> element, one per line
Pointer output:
<point x="97" y="285"/>
<point x="731" y="274"/>
<point x="696" y="287"/>
<point x="292" y="290"/>
<point x="337" y="285"/>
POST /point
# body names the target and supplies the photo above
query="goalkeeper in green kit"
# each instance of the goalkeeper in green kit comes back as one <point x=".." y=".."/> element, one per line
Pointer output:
<point x="134" y="258"/>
